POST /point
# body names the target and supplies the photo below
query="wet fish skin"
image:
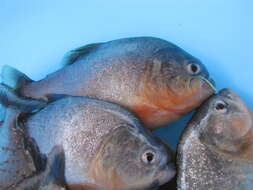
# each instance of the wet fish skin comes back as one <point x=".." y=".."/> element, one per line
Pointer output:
<point x="146" y="75"/>
<point x="16" y="163"/>
<point x="104" y="145"/>
<point x="52" y="178"/>
<point x="215" y="151"/>
<point x="21" y="163"/>
<point x="8" y="97"/>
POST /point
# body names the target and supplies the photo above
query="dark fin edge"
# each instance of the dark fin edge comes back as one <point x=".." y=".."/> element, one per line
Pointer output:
<point x="14" y="78"/>
<point x="72" y="56"/>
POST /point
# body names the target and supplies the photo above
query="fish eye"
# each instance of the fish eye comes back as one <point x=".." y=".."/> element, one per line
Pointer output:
<point x="193" y="68"/>
<point x="220" y="106"/>
<point x="148" y="157"/>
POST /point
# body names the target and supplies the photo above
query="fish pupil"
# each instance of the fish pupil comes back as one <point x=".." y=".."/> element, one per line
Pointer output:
<point x="194" y="68"/>
<point x="150" y="157"/>
<point x="220" y="106"/>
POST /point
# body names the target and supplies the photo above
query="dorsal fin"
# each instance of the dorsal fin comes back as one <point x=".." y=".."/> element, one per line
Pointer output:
<point x="13" y="77"/>
<point x="75" y="54"/>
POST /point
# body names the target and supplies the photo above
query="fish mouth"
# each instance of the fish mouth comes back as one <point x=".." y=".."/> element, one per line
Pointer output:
<point x="199" y="89"/>
<point x="209" y="82"/>
<point x="166" y="173"/>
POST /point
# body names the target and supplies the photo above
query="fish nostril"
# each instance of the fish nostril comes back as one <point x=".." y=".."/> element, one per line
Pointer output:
<point x="228" y="93"/>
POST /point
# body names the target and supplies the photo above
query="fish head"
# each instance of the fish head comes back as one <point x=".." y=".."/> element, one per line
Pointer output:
<point x="227" y="125"/>
<point x="128" y="159"/>
<point x="177" y="82"/>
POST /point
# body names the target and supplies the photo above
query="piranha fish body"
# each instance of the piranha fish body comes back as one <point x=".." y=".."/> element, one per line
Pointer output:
<point x="151" y="77"/>
<point x="105" y="146"/>
<point x="216" y="150"/>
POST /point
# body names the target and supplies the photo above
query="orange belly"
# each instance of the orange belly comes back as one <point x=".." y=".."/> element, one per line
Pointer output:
<point x="155" y="117"/>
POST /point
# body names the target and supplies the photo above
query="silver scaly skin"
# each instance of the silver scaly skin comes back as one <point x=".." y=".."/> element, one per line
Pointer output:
<point x="216" y="149"/>
<point x="105" y="146"/>
<point x="151" y="77"/>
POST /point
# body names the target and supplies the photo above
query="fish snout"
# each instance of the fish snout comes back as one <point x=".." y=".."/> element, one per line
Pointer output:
<point x="166" y="173"/>
<point x="228" y="93"/>
<point x="167" y="168"/>
<point x="209" y="83"/>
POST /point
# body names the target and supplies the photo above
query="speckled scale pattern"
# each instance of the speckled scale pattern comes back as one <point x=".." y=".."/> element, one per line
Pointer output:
<point x="71" y="124"/>
<point x="146" y="75"/>
<point x="200" y="168"/>
<point x="16" y="165"/>
<point x="118" y="63"/>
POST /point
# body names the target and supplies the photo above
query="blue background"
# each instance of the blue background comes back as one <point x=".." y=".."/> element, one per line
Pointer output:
<point x="35" y="34"/>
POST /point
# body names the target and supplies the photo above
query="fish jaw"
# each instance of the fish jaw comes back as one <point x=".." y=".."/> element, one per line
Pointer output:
<point x="199" y="90"/>
<point x="166" y="174"/>
<point x="157" y="109"/>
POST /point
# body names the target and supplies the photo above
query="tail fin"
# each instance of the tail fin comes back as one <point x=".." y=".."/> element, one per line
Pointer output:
<point x="8" y="97"/>
<point x="14" y="78"/>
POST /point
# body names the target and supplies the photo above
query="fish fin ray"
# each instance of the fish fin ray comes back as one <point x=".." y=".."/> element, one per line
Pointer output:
<point x="54" y="97"/>
<point x="72" y="56"/>
<point x="9" y="97"/>
<point x="14" y="78"/>
<point x="55" y="169"/>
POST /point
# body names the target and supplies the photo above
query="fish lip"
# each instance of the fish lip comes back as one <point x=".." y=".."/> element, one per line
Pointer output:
<point x="209" y="81"/>
<point x="165" y="173"/>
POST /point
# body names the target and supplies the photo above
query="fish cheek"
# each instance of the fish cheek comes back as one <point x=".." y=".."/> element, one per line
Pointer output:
<point x="188" y="93"/>
<point x="224" y="133"/>
<point x="119" y="164"/>
<point x="213" y="133"/>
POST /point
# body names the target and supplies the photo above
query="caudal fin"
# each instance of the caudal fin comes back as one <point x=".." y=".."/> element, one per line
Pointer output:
<point x="9" y="97"/>
<point x="14" y="78"/>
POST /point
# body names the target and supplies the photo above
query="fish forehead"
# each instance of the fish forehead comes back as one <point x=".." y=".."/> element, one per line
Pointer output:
<point x="200" y="168"/>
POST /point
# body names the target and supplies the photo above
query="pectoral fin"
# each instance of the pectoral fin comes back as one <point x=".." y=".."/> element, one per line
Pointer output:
<point x="52" y="178"/>
<point x="55" y="170"/>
